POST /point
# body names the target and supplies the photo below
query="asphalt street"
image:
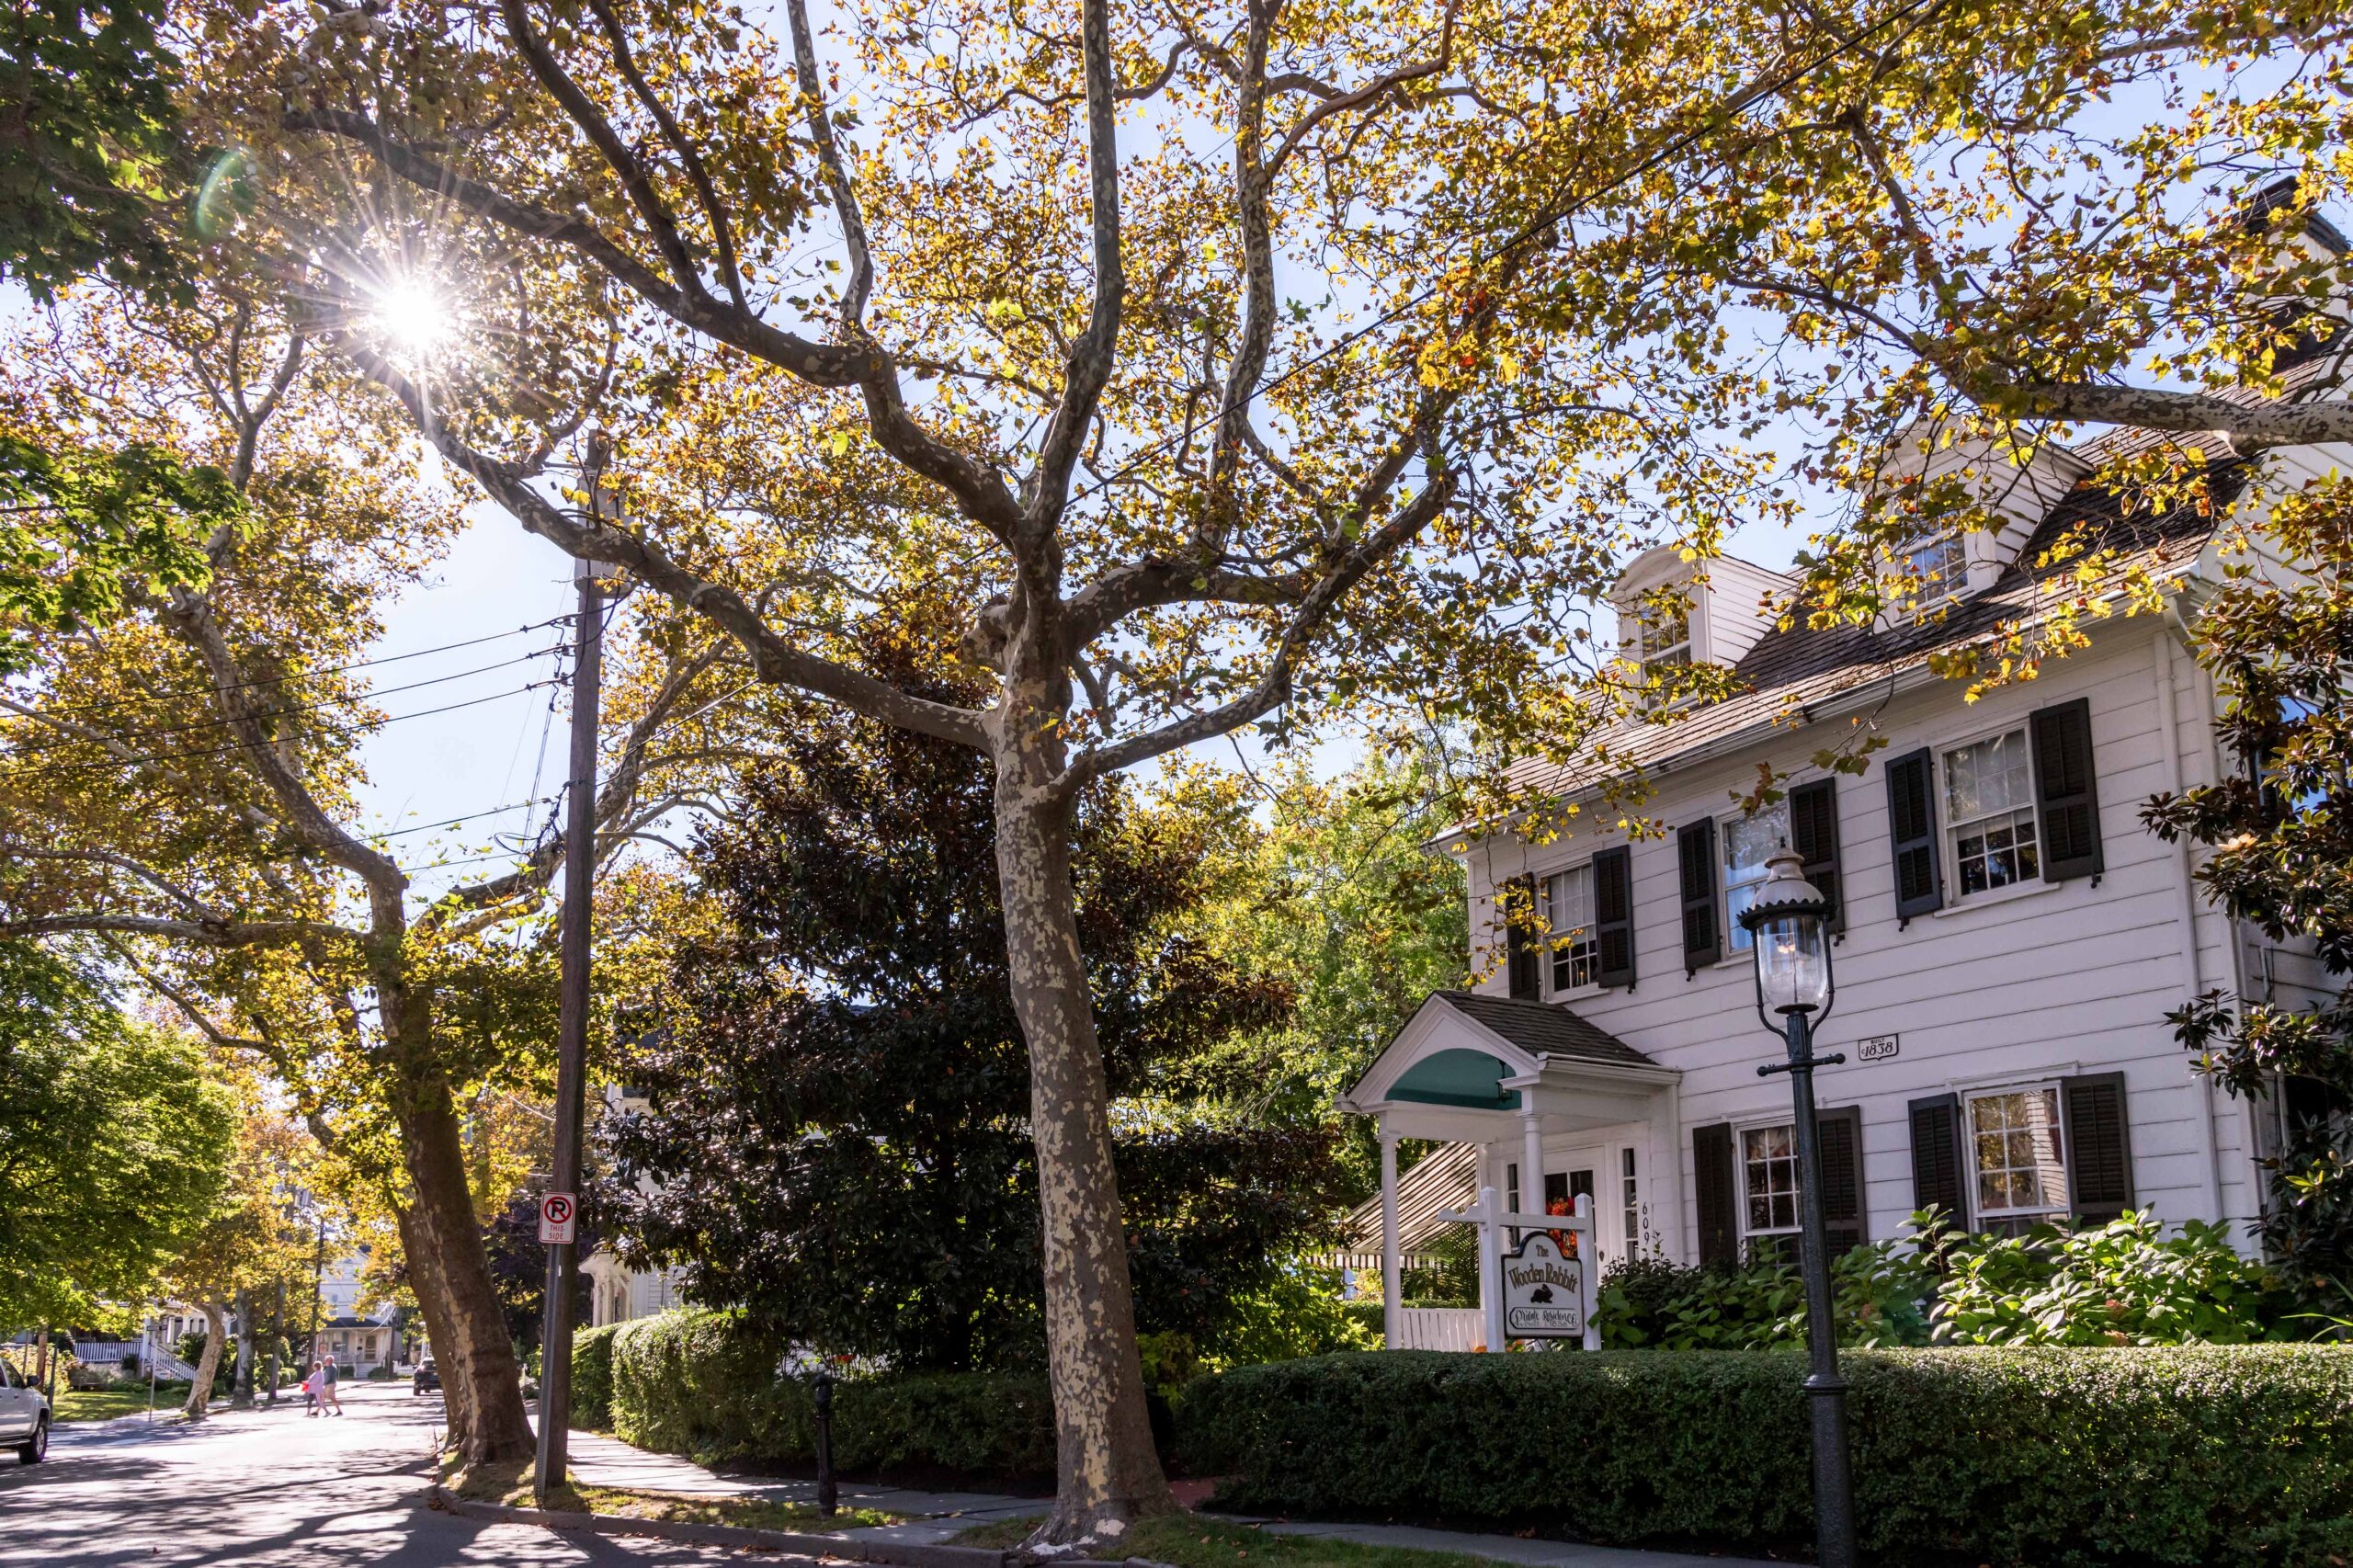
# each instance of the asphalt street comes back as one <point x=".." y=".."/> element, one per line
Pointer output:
<point x="274" y="1489"/>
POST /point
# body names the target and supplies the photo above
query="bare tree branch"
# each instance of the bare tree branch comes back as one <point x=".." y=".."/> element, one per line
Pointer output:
<point x="773" y="659"/>
<point x="1088" y="369"/>
<point x="1274" y="688"/>
<point x="829" y="159"/>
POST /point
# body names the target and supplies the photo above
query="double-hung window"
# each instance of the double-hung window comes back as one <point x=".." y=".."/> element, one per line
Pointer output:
<point x="1747" y="842"/>
<point x="1571" y="933"/>
<point x="2017" y="1161"/>
<point x="1938" y="568"/>
<point x="1666" y="632"/>
<point x="1769" y="1180"/>
<point x="1989" y="812"/>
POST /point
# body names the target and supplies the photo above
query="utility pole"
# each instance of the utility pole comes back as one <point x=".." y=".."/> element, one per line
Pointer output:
<point x="572" y="1024"/>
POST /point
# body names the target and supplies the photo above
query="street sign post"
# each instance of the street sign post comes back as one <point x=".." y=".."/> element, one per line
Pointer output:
<point x="558" y="1216"/>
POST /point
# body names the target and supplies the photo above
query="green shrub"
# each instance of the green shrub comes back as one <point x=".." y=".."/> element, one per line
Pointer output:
<point x="1298" y="1312"/>
<point x="2241" y="1455"/>
<point x="592" y="1378"/>
<point x="1371" y="1316"/>
<point x="1761" y="1306"/>
<point x="2122" y="1283"/>
<point x="697" y="1383"/>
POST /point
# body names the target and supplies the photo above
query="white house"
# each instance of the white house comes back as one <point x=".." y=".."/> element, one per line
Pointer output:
<point x="616" y="1291"/>
<point x="2010" y="938"/>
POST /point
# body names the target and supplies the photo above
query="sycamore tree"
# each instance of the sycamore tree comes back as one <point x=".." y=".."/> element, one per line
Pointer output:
<point x="181" y="785"/>
<point x="1252" y="364"/>
<point x="1157" y="347"/>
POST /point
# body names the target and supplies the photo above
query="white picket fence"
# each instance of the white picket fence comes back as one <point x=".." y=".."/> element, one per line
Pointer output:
<point x="1439" y="1328"/>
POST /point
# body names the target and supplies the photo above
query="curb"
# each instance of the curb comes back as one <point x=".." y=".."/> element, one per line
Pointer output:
<point x="900" y="1555"/>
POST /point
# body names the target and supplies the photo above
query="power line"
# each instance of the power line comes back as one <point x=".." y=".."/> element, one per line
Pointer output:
<point x="452" y="822"/>
<point x="1544" y="220"/>
<point x="205" y="691"/>
<point x="63" y="769"/>
<point x="323" y="704"/>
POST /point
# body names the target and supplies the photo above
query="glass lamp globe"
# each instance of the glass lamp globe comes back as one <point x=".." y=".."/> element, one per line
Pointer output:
<point x="1791" y="946"/>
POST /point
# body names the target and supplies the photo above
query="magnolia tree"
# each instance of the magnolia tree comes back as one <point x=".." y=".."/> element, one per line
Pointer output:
<point x="1239" y="366"/>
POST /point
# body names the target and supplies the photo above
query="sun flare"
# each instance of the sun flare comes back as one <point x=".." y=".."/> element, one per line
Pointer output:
<point x="413" y="318"/>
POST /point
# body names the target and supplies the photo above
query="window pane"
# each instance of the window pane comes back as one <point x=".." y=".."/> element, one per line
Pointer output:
<point x="1940" y="566"/>
<point x="1569" y="917"/>
<point x="1748" y="841"/>
<point x="2021" y="1168"/>
<point x="1769" y="1171"/>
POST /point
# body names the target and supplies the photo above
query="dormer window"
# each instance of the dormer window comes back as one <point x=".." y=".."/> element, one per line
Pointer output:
<point x="1938" y="568"/>
<point x="1666" y="633"/>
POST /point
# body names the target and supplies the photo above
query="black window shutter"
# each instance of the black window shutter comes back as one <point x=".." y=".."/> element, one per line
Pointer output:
<point x="1695" y="846"/>
<point x="1940" y="1179"/>
<point x="1613" y="914"/>
<point x="1814" y="833"/>
<point x="2066" y="790"/>
<point x="1525" y="965"/>
<point x="2099" y="1146"/>
<point x="1912" y="832"/>
<point x="1719" y="1219"/>
<point x="1839" y="1141"/>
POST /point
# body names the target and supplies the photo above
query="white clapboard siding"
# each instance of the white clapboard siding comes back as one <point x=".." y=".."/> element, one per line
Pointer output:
<point x="2055" y="978"/>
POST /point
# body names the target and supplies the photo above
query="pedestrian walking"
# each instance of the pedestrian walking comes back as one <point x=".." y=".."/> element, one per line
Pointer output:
<point x="335" y="1404"/>
<point x="314" y="1389"/>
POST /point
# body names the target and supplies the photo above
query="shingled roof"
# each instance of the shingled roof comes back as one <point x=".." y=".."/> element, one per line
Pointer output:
<point x="1795" y="669"/>
<point x="1544" y="1029"/>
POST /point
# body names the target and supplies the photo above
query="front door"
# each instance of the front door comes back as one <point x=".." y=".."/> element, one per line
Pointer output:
<point x="1565" y="1187"/>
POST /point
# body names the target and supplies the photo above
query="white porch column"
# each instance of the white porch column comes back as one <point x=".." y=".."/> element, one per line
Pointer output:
<point x="1662" y="1180"/>
<point x="1392" y="1311"/>
<point x="1532" y="1157"/>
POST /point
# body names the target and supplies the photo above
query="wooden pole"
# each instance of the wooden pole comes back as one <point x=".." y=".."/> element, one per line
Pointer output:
<point x="572" y="1024"/>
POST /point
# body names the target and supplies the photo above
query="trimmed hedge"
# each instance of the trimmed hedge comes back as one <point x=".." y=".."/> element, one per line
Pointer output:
<point x="2236" y="1455"/>
<point x="696" y="1382"/>
<point x="592" y="1378"/>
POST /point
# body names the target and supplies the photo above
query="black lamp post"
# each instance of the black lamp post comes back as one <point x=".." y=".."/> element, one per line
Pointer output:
<point x="1793" y="993"/>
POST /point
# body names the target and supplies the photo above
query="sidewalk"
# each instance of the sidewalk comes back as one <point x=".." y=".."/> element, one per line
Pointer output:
<point x="927" y="1519"/>
<point x="931" y="1518"/>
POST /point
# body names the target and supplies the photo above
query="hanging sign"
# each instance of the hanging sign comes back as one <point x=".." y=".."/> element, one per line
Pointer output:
<point x="1543" y="1289"/>
<point x="559" y="1213"/>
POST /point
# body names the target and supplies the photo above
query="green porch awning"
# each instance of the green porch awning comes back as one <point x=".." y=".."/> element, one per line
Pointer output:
<point x="1459" y="1077"/>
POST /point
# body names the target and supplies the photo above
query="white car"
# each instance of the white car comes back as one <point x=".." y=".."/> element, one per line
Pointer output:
<point x="24" y="1417"/>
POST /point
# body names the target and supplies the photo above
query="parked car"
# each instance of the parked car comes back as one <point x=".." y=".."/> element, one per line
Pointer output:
<point x="24" y="1417"/>
<point x="428" y="1376"/>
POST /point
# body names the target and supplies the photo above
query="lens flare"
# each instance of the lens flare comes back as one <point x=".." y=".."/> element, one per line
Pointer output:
<point x="413" y="317"/>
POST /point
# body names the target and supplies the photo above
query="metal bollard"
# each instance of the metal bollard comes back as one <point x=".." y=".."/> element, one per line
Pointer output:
<point x="823" y="1395"/>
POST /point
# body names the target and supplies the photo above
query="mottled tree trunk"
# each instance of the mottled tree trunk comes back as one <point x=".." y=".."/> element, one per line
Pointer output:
<point x="482" y="1382"/>
<point x="425" y="1280"/>
<point x="208" y="1366"/>
<point x="1108" y="1472"/>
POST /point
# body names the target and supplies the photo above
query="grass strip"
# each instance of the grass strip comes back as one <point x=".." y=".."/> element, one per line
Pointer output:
<point x="1189" y="1541"/>
<point x="511" y="1484"/>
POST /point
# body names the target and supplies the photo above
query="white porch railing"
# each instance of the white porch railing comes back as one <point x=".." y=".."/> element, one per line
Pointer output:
<point x="1438" y="1328"/>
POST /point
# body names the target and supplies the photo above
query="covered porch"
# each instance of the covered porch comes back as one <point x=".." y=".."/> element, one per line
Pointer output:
<point x="1542" y="1107"/>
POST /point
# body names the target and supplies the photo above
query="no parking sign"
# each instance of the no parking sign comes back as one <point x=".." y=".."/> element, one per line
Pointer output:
<point x="559" y="1213"/>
